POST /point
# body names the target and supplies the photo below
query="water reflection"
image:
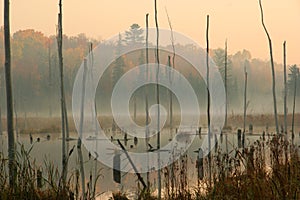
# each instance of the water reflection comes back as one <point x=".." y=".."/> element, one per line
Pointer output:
<point x="48" y="147"/>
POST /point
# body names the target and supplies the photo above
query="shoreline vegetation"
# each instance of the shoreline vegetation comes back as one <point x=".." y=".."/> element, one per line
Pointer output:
<point x="269" y="168"/>
<point x="51" y="124"/>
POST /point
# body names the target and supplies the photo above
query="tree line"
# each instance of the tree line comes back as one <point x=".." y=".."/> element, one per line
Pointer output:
<point x="36" y="74"/>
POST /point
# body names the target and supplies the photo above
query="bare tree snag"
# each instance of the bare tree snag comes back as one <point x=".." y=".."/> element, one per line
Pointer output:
<point x="208" y="99"/>
<point x="9" y="98"/>
<point x="272" y="67"/>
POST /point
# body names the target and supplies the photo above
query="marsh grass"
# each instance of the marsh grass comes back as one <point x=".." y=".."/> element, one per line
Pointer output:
<point x="27" y="186"/>
<point x="265" y="170"/>
<point x="269" y="168"/>
<point x="41" y="181"/>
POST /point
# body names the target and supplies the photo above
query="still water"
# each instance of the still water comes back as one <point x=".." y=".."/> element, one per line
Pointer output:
<point x="47" y="148"/>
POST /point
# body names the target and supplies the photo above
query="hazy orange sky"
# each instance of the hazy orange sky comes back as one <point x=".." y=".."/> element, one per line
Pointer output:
<point x="236" y="20"/>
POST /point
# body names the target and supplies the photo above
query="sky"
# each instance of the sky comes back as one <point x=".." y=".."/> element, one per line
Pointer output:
<point x="238" y="21"/>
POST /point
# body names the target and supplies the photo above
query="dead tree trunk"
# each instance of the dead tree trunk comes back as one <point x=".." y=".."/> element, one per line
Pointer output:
<point x="9" y="98"/>
<point x="0" y="105"/>
<point x="170" y="96"/>
<point x="91" y="58"/>
<point x="62" y="93"/>
<point x="208" y="100"/>
<point x="0" y="120"/>
<point x="272" y="67"/>
<point x="225" y="83"/>
<point x="66" y="124"/>
<point x="171" y="73"/>
<point x="16" y="116"/>
<point x="81" y="131"/>
<point x="294" y="101"/>
<point x="50" y="79"/>
<point x="146" y="95"/>
<point x="285" y="88"/>
<point x="134" y="108"/>
<point x="140" y="178"/>
<point x="157" y="101"/>
<point x="245" y="107"/>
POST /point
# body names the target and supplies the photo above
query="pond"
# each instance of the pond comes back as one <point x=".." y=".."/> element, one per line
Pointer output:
<point x="47" y="148"/>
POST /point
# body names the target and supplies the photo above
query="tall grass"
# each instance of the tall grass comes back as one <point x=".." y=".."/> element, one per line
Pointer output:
<point x="26" y="180"/>
<point x="265" y="170"/>
<point x="35" y="181"/>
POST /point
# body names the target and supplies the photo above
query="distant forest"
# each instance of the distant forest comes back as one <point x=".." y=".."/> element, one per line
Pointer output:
<point x="36" y="74"/>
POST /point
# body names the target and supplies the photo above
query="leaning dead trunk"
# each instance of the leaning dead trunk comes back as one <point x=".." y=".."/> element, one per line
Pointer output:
<point x="272" y="67"/>
<point x="9" y="98"/>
